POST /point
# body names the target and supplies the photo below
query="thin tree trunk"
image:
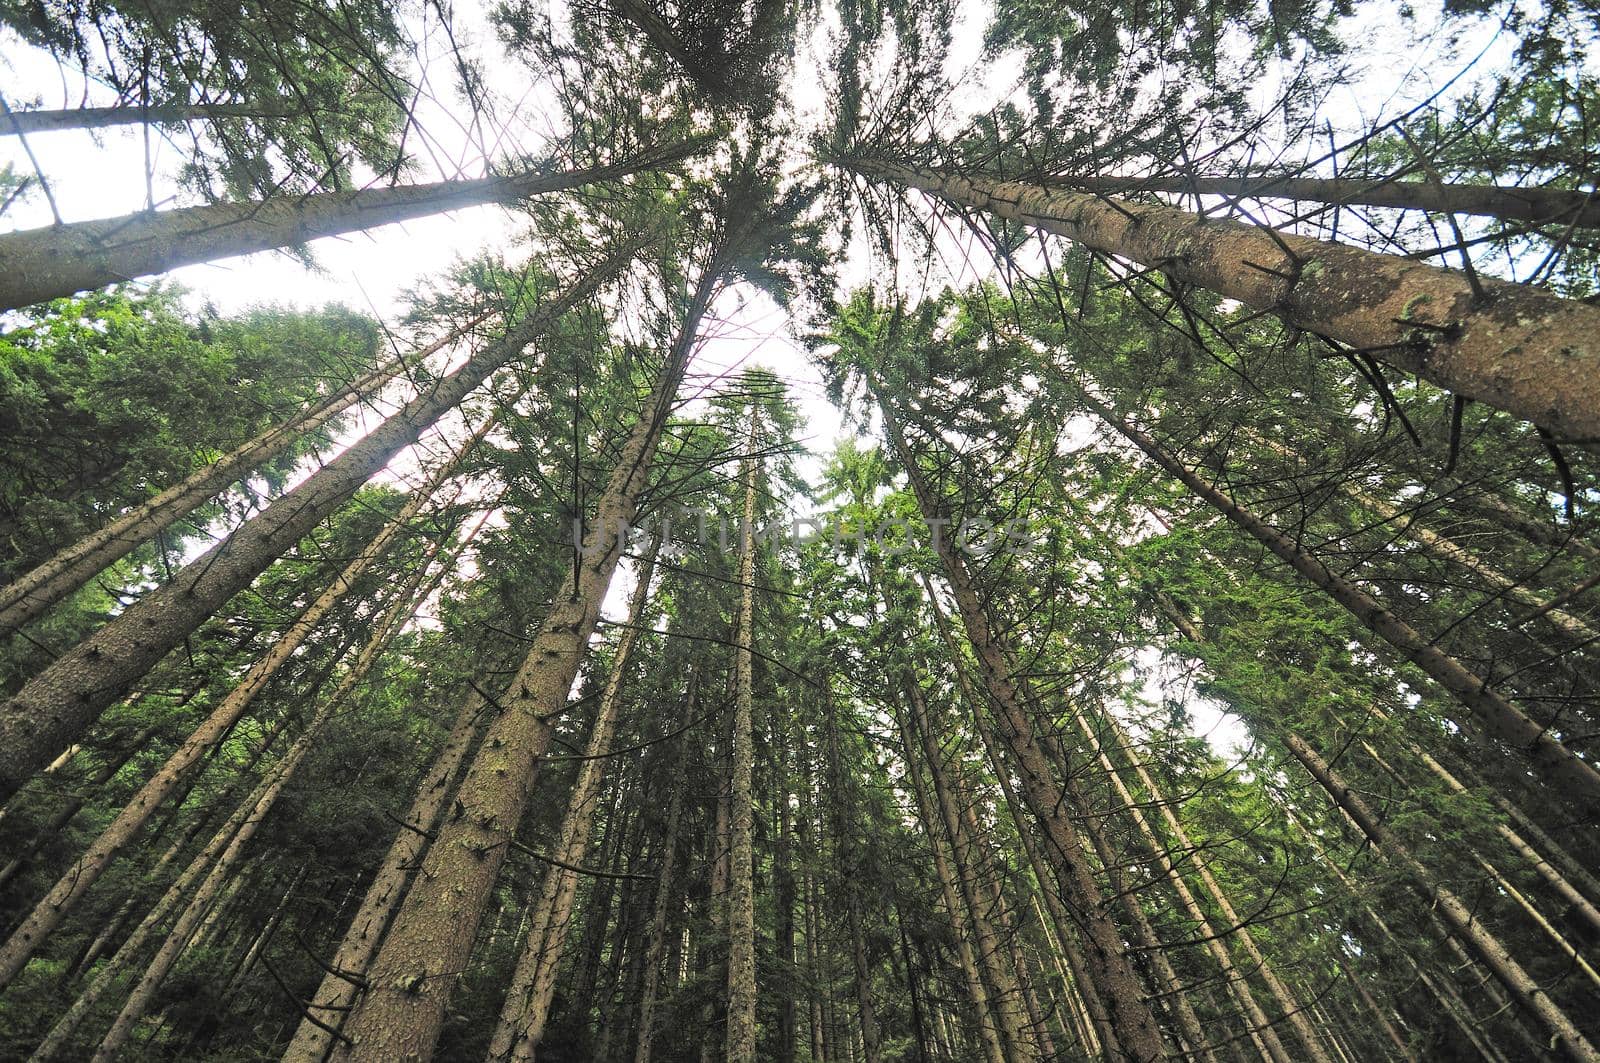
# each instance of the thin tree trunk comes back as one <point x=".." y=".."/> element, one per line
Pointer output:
<point x="54" y="708"/>
<point x="59" y="260"/>
<point x="1113" y="973"/>
<point x="533" y="981"/>
<point x="741" y="1032"/>
<point x="661" y="34"/>
<point x="401" y="1014"/>
<point x="988" y="1028"/>
<point x="1556" y="205"/>
<point x="50" y="581"/>
<point x="100" y="854"/>
<point x="1498" y="716"/>
<point x="1521" y="349"/>
<point x="1290" y="1006"/>
<point x="27" y="123"/>
<point x="1007" y="1000"/>
<point x="664" y="888"/>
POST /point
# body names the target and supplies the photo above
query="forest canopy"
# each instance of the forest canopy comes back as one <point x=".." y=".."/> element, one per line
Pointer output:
<point x="846" y="532"/>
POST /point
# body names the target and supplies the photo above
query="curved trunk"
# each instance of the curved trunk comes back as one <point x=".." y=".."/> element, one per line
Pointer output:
<point x="60" y="260"/>
<point x="55" y="707"/>
<point x="1523" y="350"/>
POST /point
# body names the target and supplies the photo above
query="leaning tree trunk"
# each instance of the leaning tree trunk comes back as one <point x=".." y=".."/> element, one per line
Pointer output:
<point x="977" y="992"/>
<point x="1520" y="349"/>
<point x="52" y="580"/>
<point x="1109" y="966"/>
<point x="27" y="123"/>
<point x="533" y="982"/>
<point x="88" y="868"/>
<point x="55" y="707"/>
<point x="402" y="1011"/>
<point x="59" y="260"/>
<point x="1497" y="715"/>
<point x="741" y="1030"/>
<point x="1561" y="206"/>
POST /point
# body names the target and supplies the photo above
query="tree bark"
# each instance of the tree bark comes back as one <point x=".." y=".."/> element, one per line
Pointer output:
<point x="60" y="260"/>
<point x="741" y="1032"/>
<point x="400" y="1016"/>
<point x="533" y="982"/>
<point x="55" y="707"/>
<point x="1522" y="350"/>
<point x="1554" y="205"/>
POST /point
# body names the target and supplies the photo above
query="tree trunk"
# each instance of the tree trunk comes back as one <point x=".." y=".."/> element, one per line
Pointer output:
<point x="27" y="123"/>
<point x="1109" y="966"/>
<point x="1523" y="350"/>
<point x="1007" y="1000"/>
<point x="60" y="260"/>
<point x="1498" y="716"/>
<point x="60" y="703"/>
<point x="87" y="869"/>
<point x="400" y="1016"/>
<point x="533" y="982"/>
<point x="664" y="889"/>
<point x="49" y="582"/>
<point x="988" y="1028"/>
<point x="1560" y="206"/>
<point x="741" y="1033"/>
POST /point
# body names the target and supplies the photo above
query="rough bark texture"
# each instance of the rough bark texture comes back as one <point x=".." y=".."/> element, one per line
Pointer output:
<point x="1558" y="205"/>
<point x="55" y="707"/>
<point x="741" y="1033"/>
<point x="533" y="982"/>
<point x="1105" y="952"/>
<point x="52" y="580"/>
<point x="400" y="1016"/>
<point x="1497" y="715"/>
<point x="57" y="261"/>
<point x="1523" y="350"/>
